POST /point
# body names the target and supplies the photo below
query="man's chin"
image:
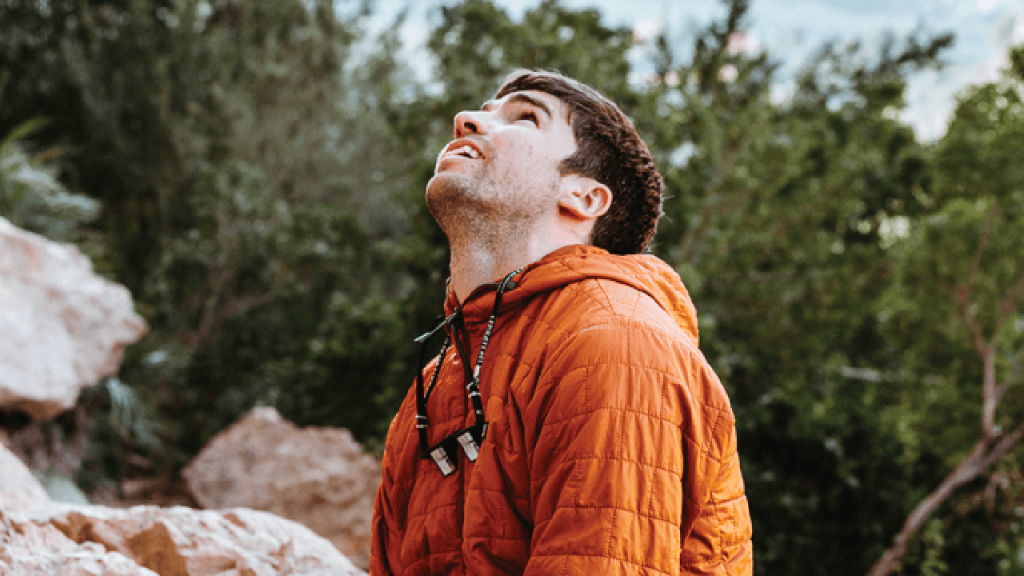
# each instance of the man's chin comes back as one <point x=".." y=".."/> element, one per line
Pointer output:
<point x="444" y="192"/>
<point x="448" y="183"/>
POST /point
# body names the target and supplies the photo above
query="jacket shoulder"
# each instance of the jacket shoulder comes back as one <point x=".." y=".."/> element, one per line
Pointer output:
<point x="643" y="356"/>
<point x="599" y="301"/>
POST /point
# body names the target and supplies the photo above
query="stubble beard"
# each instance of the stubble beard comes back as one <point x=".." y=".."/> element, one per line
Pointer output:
<point x="478" y="211"/>
<point x="449" y="199"/>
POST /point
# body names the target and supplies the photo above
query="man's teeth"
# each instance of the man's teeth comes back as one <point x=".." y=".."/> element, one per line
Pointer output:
<point x="468" y="151"/>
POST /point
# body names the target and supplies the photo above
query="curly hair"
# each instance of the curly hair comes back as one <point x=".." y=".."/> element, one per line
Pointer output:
<point x="609" y="150"/>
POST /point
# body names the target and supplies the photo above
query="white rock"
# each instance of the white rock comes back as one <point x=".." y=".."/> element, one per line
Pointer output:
<point x="62" y="327"/>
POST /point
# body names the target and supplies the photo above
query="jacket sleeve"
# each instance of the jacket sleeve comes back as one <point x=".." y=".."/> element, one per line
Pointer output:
<point x="386" y="524"/>
<point x="380" y="523"/>
<point x="610" y="461"/>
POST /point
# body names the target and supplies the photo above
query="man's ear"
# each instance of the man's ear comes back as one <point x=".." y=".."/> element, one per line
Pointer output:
<point x="583" y="197"/>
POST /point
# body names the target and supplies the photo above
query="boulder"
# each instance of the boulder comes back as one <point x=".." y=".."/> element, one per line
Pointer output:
<point x="20" y="491"/>
<point x="319" y="477"/>
<point x="63" y="327"/>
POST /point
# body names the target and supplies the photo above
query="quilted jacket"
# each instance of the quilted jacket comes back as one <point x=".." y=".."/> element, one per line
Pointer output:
<point x="611" y="445"/>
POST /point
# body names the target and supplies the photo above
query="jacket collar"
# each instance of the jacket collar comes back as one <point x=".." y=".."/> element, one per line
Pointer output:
<point x="576" y="263"/>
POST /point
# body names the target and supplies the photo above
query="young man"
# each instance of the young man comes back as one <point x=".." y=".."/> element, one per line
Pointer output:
<point x="569" y="425"/>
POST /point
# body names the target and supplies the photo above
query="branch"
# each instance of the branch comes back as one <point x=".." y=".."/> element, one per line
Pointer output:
<point x="965" y="290"/>
<point x="891" y="559"/>
<point x="991" y="447"/>
<point x="1004" y="445"/>
<point x="997" y="480"/>
<point x="989" y="394"/>
<point x="976" y="462"/>
<point x="986" y="231"/>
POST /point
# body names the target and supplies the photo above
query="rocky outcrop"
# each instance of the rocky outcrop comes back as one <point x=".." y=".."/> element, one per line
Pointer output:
<point x="319" y="477"/>
<point x="63" y="326"/>
<point x="46" y="539"/>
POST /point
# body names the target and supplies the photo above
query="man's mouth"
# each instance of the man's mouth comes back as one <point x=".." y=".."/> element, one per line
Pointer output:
<point x="465" y="151"/>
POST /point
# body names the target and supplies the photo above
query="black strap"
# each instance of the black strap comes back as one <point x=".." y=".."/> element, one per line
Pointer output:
<point x="472" y="376"/>
<point x="421" y="394"/>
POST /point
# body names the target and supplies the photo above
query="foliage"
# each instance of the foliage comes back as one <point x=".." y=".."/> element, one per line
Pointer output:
<point x="238" y="152"/>
<point x="260" y="168"/>
<point x="957" y="308"/>
<point x="31" y="196"/>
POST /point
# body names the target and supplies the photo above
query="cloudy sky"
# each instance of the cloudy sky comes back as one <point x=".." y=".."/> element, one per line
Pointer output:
<point x="790" y="30"/>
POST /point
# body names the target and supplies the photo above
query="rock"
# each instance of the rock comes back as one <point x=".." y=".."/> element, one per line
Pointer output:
<point x="20" y="491"/>
<point x="63" y="327"/>
<point x="175" y="541"/>
<point x="319" y="477"/>
<point x="29" y="549"/>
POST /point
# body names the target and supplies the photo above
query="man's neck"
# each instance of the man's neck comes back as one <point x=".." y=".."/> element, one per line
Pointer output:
<point x="486" y="260"/>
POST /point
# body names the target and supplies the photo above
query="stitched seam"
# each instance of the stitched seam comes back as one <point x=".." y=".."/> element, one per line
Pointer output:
<point x="669" y="521"/>
<point x="613" y="558"/>
<point x="411" y="515"/>
<point x="627" y="323"/>
<point x="650" y="493"/>
<point x="607" y="302"/>
<point x="672" y="376"/>
<point x="624" y="410"/>
<point x="611" y="531"/>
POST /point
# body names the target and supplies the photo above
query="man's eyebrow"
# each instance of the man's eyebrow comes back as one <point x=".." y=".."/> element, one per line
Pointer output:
<point x="522" y="98"/>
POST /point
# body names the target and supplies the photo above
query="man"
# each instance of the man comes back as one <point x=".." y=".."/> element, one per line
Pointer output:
<point x="569" y="425"/>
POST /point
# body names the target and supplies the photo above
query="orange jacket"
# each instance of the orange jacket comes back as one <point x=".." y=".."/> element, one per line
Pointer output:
<point x="611" y="446"/>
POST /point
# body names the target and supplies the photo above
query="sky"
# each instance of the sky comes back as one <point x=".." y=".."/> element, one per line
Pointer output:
<point x="791" y="30"/>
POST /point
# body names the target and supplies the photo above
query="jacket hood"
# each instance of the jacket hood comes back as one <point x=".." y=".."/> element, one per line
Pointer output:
<point x="579" y="262"/>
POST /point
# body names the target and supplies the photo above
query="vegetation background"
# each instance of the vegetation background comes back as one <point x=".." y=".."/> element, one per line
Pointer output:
<point x="254" y="171"/>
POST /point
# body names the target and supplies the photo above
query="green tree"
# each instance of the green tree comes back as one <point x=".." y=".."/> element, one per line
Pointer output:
<point x="956" y="315"/>
<point x="782" y="219"/>
<point x="253" y="198"/>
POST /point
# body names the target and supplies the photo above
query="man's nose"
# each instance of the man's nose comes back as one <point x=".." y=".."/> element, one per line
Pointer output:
<point x="470" y="122"/>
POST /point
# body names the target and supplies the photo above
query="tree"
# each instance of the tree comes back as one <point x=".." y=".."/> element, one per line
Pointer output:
<point x="958" y="306"/>
<point x="782" y="222"/>
<point x="240" y="156"/>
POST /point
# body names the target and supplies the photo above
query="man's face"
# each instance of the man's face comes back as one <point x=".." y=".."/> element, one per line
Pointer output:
<point x="503" y="162"/>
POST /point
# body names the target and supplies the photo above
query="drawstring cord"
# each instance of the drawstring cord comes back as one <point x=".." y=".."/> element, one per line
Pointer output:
<point x="467" y="438"/>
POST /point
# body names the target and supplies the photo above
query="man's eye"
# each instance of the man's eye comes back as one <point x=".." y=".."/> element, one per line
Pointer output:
<point x="528" y="115"/>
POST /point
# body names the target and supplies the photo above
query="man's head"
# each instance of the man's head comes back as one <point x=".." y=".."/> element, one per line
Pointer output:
<point x="609" y="150"/>
<point x="551" y="157"/>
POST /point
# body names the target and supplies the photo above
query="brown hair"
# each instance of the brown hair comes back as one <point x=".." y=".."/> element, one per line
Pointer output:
<point x="609" y="150"/>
